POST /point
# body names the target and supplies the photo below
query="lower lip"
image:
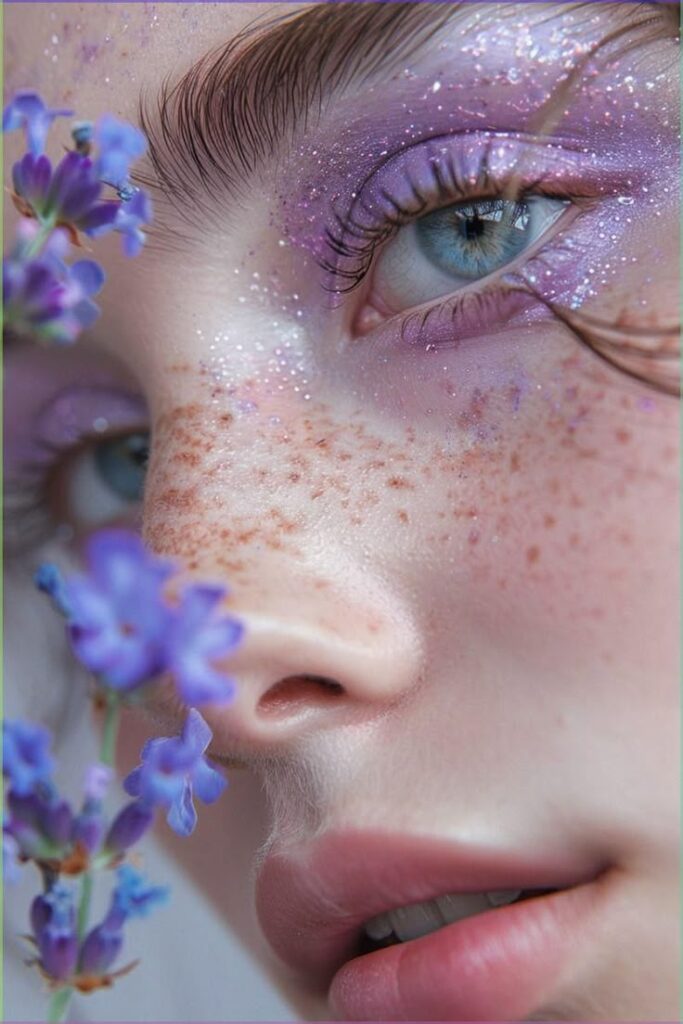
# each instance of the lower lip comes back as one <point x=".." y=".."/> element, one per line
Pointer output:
<point x="499" y="965"/>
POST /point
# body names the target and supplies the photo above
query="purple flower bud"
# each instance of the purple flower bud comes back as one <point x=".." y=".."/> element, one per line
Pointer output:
<point x="26" y="759"/>
<point x="41" y="823"/>
<point x="99" y="950"/>
<point x="43" y="297"/>
<point x="98" y="778"/>
<point x="41" y="914"/>
<point x="69" y="195"/>
<point x="57" y="822"/>
<point x="129" y="826"/>
<point x="89" y="825"/>
<point x="53" y="918"/>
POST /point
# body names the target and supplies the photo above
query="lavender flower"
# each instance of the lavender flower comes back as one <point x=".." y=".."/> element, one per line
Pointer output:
<point x="89" y="826"/>
<point x="131" y="214"/>
<point x="41" y="823"/>
<point x="122" y="628"/>
<point x="11" y="865"/>
<point x="197" y="639"/>
<point x="132" y="897"/>
<point x="28" y="111"/>
<point x="26" y="759"/>
<point x="100" y="949"/>
<point x="119" y="145"/>
<point x="68" y="197"/>
<point x="128" y="827"/>
<point x="119" y="621"/>
<point x="98" y="778"/>
<point x="43" y="296"/>
<point x="50" y="581"/>
<point x="53" y="918"/>
<point x="173" y="769"/>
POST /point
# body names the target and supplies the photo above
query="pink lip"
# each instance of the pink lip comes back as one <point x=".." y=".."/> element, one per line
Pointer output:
<point x="313" y="899"/>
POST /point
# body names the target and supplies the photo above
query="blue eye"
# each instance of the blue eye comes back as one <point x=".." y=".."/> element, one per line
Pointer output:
<point x="105" y="481"/>
<point x="122" y="463"/>
<point x="456" y="246"/>
<point x="471" y="240"/>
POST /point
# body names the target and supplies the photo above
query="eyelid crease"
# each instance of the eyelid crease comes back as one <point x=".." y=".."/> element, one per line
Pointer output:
<point x="354" y="243"/>
<point x="228" y="114"/>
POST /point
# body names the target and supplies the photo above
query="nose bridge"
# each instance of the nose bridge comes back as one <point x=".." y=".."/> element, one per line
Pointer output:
<point x="328" y="639"/>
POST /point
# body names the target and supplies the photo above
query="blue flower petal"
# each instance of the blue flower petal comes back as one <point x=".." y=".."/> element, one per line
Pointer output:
<point x="182" y="816"/>
<point x="208" y="782"/>
<point x="89" y="275"/>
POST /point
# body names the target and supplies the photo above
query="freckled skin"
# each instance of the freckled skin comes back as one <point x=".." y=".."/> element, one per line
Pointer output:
<point x="490" y="576"/>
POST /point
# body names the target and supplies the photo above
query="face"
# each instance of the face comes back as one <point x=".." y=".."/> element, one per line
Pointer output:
<point x="404" y="353"/>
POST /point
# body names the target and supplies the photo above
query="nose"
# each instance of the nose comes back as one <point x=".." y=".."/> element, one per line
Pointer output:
<point x="318" y="653"/>
<point x="329" y="638"/>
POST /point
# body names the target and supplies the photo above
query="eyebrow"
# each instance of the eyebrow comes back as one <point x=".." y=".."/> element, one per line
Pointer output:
<point x="230" y="112"/>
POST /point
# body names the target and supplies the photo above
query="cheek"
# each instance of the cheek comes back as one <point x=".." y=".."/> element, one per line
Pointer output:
<point x="521" y="514"/>
<point x="558" y="532"/>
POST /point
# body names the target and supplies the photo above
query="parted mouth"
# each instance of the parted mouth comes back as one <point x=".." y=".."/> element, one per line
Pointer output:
<point x="403" y="924"/>
<point x="349" y="894"/>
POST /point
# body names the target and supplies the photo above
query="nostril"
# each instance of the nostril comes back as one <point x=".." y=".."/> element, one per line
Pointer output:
<point x="296" y="693"/>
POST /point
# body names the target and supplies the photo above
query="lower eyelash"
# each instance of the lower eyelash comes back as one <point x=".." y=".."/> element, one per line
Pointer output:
<point x="27" y="521"/>
<point x="465" y="316"/>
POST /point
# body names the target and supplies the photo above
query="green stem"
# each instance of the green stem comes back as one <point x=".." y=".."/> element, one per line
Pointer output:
<point x="58" y="1005"/>
<point x="34" y="249"/>
<point x="84" y="908"/>
<point x="111" y="728"/>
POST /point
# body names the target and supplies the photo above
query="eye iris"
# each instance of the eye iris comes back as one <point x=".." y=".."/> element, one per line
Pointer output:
<point x="473" y="239"/>
<point x="122" y="464"/>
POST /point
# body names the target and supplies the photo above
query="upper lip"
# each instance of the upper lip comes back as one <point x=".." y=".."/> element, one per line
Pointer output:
<point x="312" y="899"/>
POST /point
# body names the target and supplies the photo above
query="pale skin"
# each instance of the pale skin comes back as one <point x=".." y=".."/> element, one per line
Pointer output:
<point x="501" y="612"/>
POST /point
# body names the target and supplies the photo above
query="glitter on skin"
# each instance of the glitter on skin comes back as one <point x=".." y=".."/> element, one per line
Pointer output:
<point x="294" y="501"/>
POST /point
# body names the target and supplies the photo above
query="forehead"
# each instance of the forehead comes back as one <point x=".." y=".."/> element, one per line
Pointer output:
<point x="106" y="52"/>
<point x="101" y="55"/>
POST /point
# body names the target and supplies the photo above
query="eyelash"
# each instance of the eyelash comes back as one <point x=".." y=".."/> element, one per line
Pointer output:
<point x="367" y="239"/>
<point x="352" y="247"/>
<point x="29" y="522"/>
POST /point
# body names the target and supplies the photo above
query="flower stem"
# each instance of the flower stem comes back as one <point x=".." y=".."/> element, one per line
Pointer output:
<point x="111" y="728"/>
<point x="58" y="1004"/>
<point x="36" y="245"/>
<point x="84" y="907"/>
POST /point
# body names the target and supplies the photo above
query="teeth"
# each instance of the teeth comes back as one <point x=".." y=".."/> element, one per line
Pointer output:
<point x="379" y="927"/>
<point x="503" y="896"/>
<point x="420" y="919"/>
<point x="457" y="906"/>
<point x="413" y="922"/>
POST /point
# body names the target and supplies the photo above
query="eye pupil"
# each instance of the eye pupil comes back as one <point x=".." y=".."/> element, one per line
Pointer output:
<point x="472" y="227"/>
<point x="121" y="463"/>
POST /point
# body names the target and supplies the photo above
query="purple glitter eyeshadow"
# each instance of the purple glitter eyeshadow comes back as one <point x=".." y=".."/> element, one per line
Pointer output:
<point x="74" y="413"/>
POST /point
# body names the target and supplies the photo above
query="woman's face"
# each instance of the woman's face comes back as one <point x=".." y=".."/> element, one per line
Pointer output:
<point x="449" y="526"/>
